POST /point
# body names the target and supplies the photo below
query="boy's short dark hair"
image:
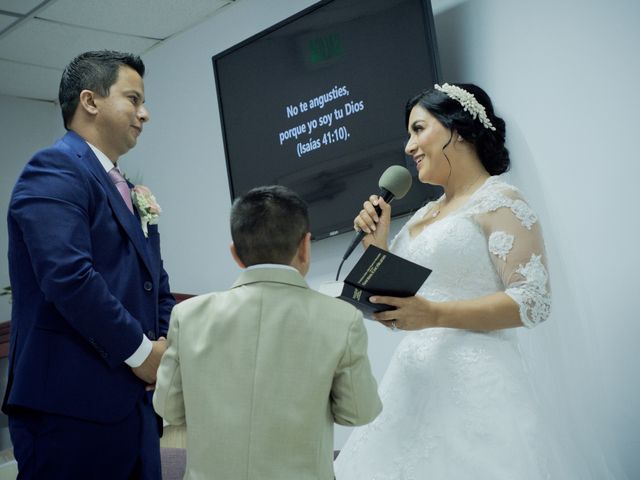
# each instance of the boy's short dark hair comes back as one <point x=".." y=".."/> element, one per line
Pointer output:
<point x="267" y="225"/>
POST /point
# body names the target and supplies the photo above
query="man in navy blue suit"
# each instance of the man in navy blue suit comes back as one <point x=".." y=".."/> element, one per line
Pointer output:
<point x="91" y="299"/>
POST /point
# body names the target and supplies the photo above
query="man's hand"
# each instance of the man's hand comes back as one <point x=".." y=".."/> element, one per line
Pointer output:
<point x="149" y="368"/>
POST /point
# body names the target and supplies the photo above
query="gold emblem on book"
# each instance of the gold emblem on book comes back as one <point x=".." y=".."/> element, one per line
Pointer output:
<point x="373" y="268"/>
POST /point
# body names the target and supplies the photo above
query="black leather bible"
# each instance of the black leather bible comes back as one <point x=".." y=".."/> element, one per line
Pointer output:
<point x="379" y="272"/>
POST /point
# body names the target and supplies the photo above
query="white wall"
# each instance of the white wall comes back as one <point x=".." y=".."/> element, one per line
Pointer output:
<point x="561" y="73"/>
<point x="181" y="151"/>
<point x="563" y="76"/>
<point x="182" y="157"/>
<point x="25" y="126"/>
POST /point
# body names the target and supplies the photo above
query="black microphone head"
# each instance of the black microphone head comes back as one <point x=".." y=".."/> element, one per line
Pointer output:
<point x="396" y="180"/>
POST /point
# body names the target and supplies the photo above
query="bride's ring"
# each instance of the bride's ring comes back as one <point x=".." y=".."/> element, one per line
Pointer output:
<point x="394" y="327"/>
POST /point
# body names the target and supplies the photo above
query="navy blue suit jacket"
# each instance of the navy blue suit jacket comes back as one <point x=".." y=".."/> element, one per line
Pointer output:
<point x="86" y="285"/>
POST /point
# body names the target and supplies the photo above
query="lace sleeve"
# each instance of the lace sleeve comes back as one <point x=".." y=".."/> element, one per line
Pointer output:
<point x="516" y="247"/>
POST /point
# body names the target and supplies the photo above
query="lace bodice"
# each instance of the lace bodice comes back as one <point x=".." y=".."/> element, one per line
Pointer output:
<point x="492" y="243"/>
<point x="458" y="403"/>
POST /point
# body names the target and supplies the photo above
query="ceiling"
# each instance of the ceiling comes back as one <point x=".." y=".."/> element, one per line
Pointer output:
<point x="39" y="37"/>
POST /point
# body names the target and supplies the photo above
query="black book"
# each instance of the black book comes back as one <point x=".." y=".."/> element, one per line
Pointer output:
<point x="379" y="272"/>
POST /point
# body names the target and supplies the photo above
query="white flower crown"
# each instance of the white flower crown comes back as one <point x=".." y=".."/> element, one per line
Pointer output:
<point x="468" y="102"/>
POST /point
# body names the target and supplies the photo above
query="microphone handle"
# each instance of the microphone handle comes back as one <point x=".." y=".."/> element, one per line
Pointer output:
<point x="387" y="196"/>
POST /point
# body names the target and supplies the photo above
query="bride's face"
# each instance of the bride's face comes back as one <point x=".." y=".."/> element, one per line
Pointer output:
<point x="427" y="136"/>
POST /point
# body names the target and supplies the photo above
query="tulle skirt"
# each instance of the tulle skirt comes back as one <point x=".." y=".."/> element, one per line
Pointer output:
<point x="456" y="405"/>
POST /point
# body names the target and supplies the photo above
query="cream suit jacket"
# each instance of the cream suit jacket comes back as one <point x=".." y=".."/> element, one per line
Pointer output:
<point x="260" y="373"/>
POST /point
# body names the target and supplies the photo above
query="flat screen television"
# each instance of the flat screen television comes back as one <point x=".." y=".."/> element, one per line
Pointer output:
<point x="316" y="103"/>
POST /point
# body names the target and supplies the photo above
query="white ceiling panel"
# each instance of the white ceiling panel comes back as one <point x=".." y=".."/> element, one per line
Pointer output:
<point x="5" y="21"/>
<point x="34" y="51"/>
<point x="146" y="18"/>
<point x="53" y="45"/>
<point x="29" y="81"/>
<point x="19" y="6"/>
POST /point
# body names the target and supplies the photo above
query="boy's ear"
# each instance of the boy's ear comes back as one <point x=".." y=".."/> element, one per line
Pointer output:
<point x="305" y="248"/>
<point x="234" y="254"/>
<point x="302" y="260"/>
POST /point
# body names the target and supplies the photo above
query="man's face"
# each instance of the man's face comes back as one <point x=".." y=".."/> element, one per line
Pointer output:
<point x="121" y="114"/>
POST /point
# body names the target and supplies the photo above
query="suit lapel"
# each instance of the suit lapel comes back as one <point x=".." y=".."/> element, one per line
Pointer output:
<point x="130" y="223"/>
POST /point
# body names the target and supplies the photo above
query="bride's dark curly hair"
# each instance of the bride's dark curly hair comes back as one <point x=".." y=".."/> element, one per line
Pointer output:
<point x="489" y="144"/>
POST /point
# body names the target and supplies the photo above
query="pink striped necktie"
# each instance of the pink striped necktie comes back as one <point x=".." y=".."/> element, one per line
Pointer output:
<point x="122" y="186"/>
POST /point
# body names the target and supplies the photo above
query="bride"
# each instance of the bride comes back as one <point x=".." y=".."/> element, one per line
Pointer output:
<point x="457" y="400"/>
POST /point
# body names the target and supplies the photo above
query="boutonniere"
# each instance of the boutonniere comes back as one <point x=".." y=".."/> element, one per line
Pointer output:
<point x="147" y="207"/>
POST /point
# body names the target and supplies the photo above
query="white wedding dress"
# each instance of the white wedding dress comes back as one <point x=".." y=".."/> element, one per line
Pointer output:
<point x="457" y="403"/>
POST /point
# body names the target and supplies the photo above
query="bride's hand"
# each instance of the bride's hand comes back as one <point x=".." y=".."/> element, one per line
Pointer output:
<point x="375" y="226"/>
<point x="411" y="313"/>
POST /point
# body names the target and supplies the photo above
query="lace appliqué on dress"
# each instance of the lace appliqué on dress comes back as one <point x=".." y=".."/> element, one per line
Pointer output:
<point x="524" y="213"/>
<point x="490" y="202"/>
<point x="492" y="199"/>
<point x="500" y="244"/>
<point x="531" y="294"/>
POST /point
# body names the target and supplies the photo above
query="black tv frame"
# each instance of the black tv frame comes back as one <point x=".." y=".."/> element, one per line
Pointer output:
<point x="430" y="39"/>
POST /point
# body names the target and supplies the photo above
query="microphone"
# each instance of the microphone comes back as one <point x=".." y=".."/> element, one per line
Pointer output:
<point x="395" y="182"/>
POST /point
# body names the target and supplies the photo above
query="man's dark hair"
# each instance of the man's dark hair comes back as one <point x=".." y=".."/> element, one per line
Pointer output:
<point x="95" y="71"/>
<point x="267" y="225"/>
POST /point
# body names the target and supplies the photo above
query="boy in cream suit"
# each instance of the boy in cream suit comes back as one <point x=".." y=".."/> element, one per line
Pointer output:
<point x="261" y="372"/>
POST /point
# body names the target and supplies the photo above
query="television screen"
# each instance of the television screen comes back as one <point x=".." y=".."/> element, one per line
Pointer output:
<point x="316" y="103"/>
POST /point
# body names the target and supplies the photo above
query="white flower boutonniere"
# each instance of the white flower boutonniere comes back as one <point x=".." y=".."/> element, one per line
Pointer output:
<point x="147" y="206"/>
